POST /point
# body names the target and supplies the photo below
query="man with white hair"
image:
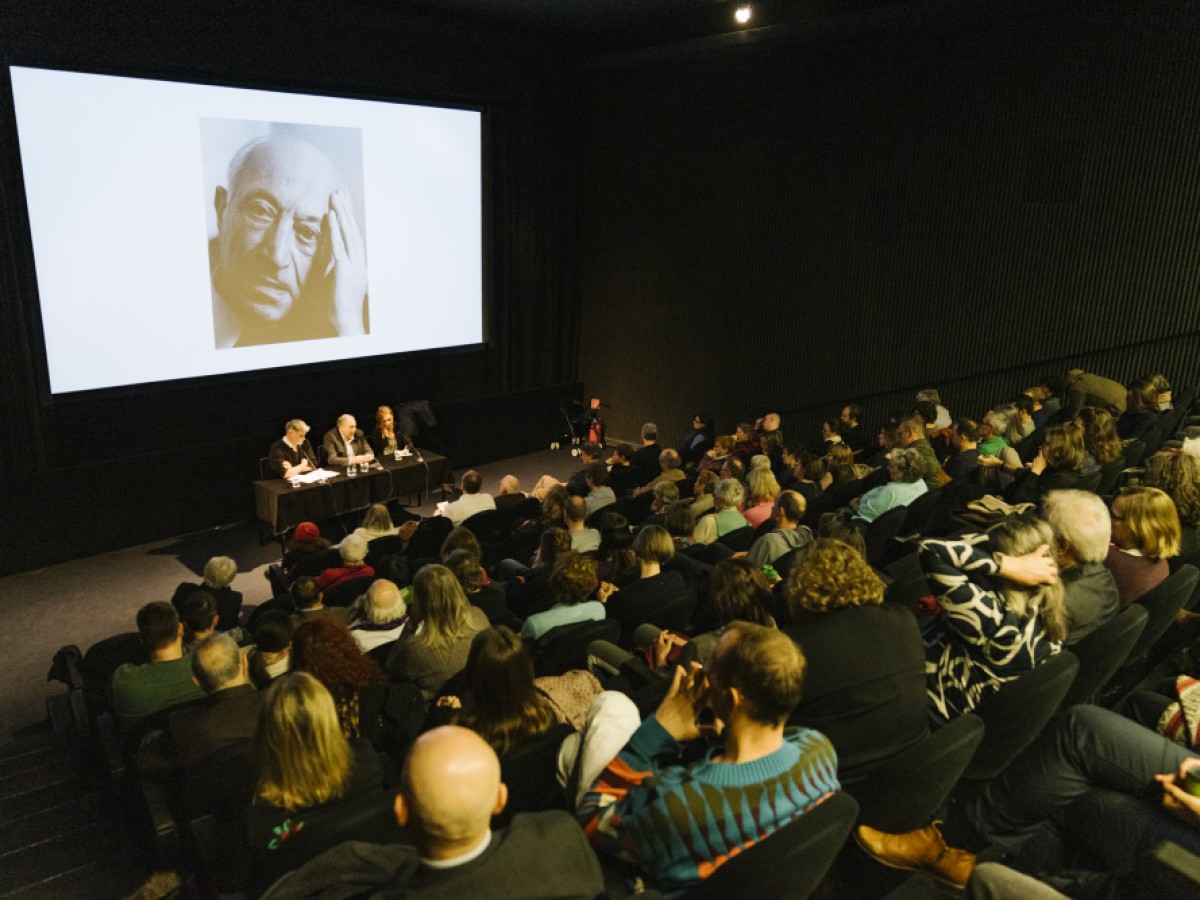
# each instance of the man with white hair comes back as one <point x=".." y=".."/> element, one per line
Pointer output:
<point x="384" y="615"/>
<point x="219" y="573"/>
<point x="1082" y="531"/>
<point x="450" y="788"/>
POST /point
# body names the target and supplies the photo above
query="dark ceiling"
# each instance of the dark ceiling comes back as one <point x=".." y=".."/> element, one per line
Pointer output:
<point x="600" y="26"/>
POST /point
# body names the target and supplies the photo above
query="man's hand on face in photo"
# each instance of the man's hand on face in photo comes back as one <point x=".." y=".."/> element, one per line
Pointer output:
<point x="342" y="261"/>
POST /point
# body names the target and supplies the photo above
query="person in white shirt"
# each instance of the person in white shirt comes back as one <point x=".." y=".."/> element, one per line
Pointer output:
<point x="473" y="500"/>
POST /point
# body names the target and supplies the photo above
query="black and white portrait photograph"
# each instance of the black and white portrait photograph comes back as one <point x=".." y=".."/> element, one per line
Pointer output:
<point x="286" y="231"/>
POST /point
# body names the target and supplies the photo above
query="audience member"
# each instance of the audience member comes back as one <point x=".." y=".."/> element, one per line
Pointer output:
<point x="642" y="597"/>
<point x="727" y="498"/>
<point x="1057" y="466"/>
<point x="788" y="534"/>
<point x="670" y="472"/>
<point x="377" y="522"/>
<point x="1101" y="444"/>
<point x="702" y="490"/>
<point x="199" y="619"/>
<point x="435" y="644"/>
<point x="905" y="486"/>
<point x="1141" y="410"/>
<point x="473" y="500"/>
<point x="839" y="620"/>
<point x="353" y="550"/>
<point x="272" y="653"/>
<point x="599" y="494"/>
<point x="231" y="713"/>
<point x="583" y="539"/>
<point x="488" y="597"/>
<point x="382" y="615"/>
<point x="1145" y="533"/>
<point x="994" y="634"/>
<point x="306" y="542"/>
<point x="326" y="651"/>
<point x="219" y="573"/>
<point x="942" y="415"/>
<point x="309" y="601"/>
<point x="450" y="789"/>
<point x="644" y="805"/>
<point x="589" y="454"/>
<point x="140" y="691"/>
<point x="645" y="458"/>
<point x="1082" y="530"/>
<point x="762" y="489"/>
<point x="852" y="435"/>
<point x="964" y="438"/>
<point x="573" y="585"/>
<point x="623" y="477"/>
<point x="720" y="453"/>
<point x="615" y="556"/>
<point x="698" y="441"/>
<point x="306" y="765"/>
<point x="510" y="493"/>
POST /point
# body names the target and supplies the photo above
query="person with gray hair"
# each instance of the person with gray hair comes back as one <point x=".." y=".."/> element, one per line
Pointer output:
<point x="219" y="573"/>
<point x="227" y="718"/>
<point x="728" y="495"/>
<point x="904" y="468"/>
<point x="353" y="550"/>
<point x="1082" y="532"/>
<point x="292" y="454"/>
<point x="383" y="614"/>
<point x="645" y="459"/>
<point x="671" y="471"/>
<point x="931" y="395"/>
<point x="288" y="262"/>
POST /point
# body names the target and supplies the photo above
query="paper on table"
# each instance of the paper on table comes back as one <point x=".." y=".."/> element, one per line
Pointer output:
<point x="314" y="476"/>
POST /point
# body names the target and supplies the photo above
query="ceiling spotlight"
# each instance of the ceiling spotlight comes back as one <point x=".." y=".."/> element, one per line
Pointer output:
<point x="743" y="13"/>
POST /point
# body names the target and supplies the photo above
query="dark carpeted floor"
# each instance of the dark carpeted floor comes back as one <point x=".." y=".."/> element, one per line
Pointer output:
<point x="83" y="601"/>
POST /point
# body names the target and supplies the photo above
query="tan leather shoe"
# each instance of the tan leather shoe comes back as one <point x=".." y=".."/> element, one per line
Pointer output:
<point x="924" y="849"/>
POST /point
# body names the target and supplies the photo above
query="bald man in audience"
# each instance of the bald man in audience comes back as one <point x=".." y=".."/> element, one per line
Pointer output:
<point x="510" y="493"/>
<point x="449" y="790"/>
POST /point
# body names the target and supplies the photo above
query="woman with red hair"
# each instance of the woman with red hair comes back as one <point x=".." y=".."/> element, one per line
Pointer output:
<point x="326" y="650"/>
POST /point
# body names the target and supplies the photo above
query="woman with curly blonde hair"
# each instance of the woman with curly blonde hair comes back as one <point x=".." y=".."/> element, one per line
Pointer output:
<point x="865" y="681"/>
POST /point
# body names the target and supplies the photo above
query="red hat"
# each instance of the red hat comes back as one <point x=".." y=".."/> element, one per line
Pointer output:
<point x="306" y="533"/>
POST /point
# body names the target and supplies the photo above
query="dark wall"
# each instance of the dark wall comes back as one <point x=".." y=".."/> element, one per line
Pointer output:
<point x="90" y="473"/>
<point x="927" y="202"/>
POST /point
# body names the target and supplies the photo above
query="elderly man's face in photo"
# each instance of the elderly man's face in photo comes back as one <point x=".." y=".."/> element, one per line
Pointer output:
<point x="269" y="224"/>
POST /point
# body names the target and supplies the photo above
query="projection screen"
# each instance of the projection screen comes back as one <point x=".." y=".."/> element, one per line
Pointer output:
<point x="185" y="230"/>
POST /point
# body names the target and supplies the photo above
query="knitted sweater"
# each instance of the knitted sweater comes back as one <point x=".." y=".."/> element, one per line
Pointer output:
<point x="682" y="823"/>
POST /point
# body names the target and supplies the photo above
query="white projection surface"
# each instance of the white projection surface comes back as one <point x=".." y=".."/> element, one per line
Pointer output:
<point x="184" y="230"/>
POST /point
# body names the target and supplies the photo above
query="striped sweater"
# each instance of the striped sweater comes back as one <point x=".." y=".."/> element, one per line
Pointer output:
<point x="681" y="823"/>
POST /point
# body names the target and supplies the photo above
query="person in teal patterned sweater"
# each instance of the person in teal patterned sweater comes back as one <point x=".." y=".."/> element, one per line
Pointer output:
<point x="681" y="823"/>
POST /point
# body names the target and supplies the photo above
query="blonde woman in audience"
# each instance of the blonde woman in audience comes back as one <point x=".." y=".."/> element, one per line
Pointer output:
<point x="434" y="645"/>
<point x="305" y="764"/>
<point x="1178" y="476"/>
<point x="1145" y="534"/>
<point x="762" y="489"/>
<point x="377" y="522"/>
